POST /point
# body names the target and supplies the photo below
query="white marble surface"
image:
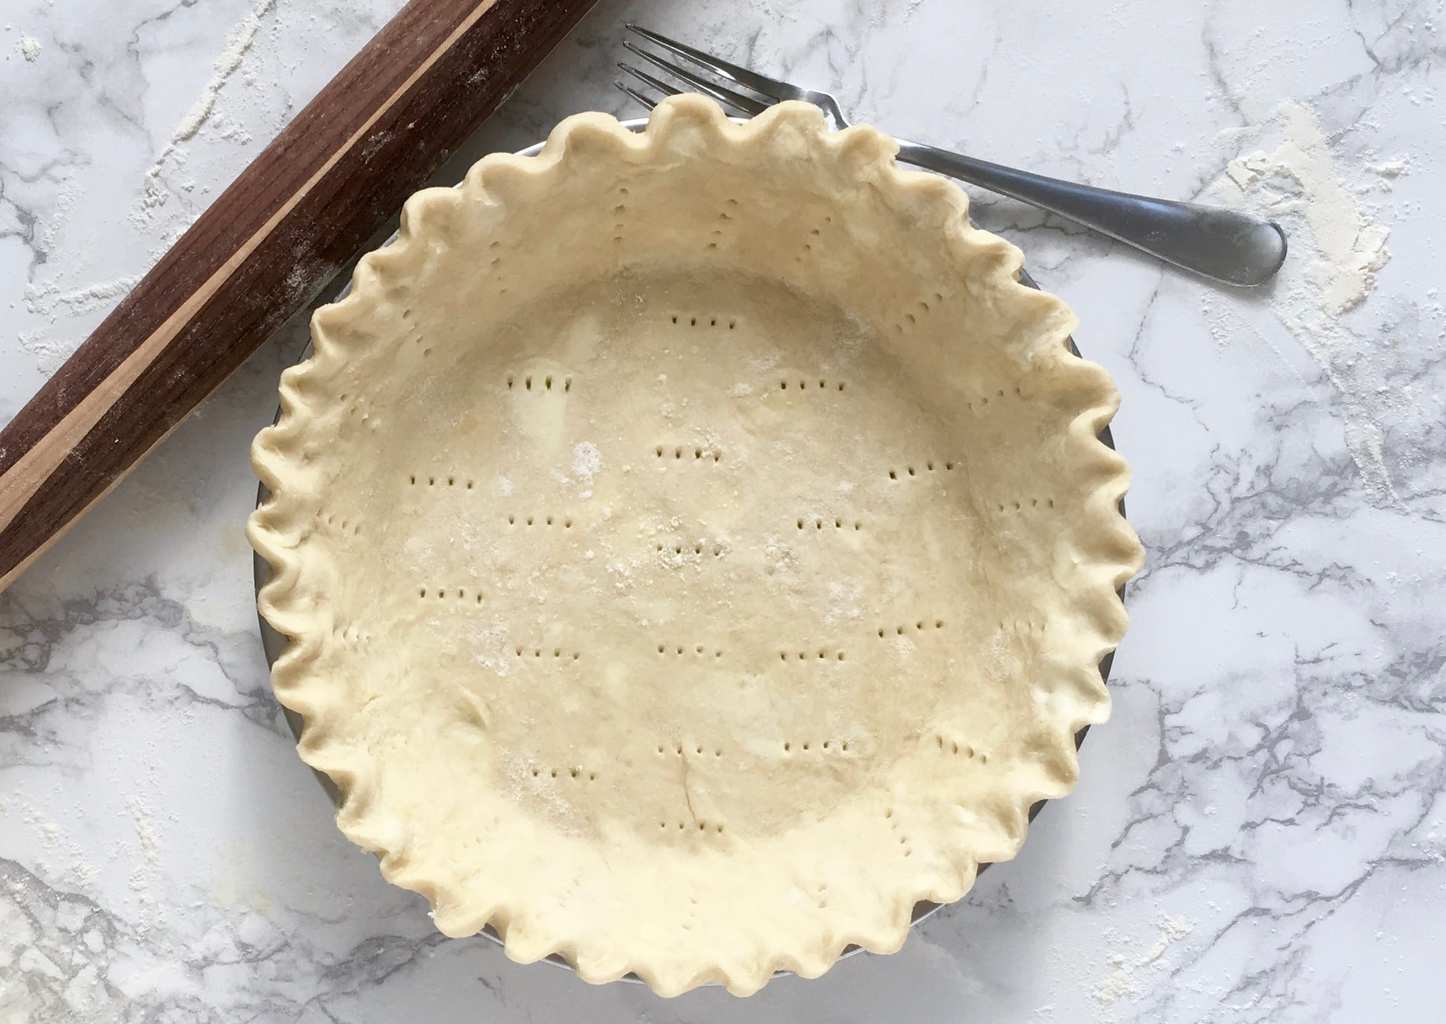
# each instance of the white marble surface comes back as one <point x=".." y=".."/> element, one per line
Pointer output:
<point x="1260" y="832"/>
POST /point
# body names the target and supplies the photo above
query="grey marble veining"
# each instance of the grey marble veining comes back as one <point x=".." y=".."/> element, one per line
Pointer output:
<point x="1260" y="831"/>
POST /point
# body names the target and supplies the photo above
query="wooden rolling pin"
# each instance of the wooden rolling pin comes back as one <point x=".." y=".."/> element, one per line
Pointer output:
<point x="262" y="250"/>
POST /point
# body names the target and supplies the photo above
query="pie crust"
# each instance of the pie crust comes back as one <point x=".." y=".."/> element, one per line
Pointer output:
<point x="694" y="545"/>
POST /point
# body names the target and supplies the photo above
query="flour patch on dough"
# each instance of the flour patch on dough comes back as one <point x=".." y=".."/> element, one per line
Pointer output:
<point x="845" y="603"/>
<point x="586" y="464"/>
<point x="490" y="649"/>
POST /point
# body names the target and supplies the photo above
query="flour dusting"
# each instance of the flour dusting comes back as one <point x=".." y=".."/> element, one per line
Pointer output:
<point x="145" y="878"/>
<point x="490" y="650"/>
<point x="49" y="300"/>
<point x="238" y="44"/>
<point x="1336" y="250"/>
<point x="1125" y="962"/>
<point x="30" y="48"/>
<point x="1393" y="168"/>
<point x="48" y="354"/>
<point x="222" y="68"/>
<point x="845" y="603"/>
<point x="1301" y="176"/>
<point x="63" y="856"/>
<point x="587" y="460"/>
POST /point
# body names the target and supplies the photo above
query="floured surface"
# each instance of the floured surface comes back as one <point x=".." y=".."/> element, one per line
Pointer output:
<point x="1337" y="251"/>
<point x="674" y="583"/>
<point x="1269" y="772"/>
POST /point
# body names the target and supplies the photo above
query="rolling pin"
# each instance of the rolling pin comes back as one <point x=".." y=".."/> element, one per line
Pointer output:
<point x="283" y="228"/>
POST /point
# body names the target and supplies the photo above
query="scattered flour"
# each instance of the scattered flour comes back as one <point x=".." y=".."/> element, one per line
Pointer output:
<point x="50" y="301"/>
<point x="64" y="858"/>
<point x="30" y="48"/>
<point x="49" y="830"/>
<point x="1173" y="928"/>
<point x="49" y="355"/>
<point x="1118" y="984"/>
<point x="520" y="780"/>
<point x="489" y="649"/>
<point x="238" y="44"/>
<point x="1336" y="251"/>
<point x="222" y="68"/>
<point x="145" y="830"/>
<point x="1393" y="168"/>
<point x="586" y="462"/>
<point x="145" y="879"/>
<point x="1124" y="963"/>
<point x="845" y="603"/>
<point x="764" y="363"/>
<point x="1301" y="175"/>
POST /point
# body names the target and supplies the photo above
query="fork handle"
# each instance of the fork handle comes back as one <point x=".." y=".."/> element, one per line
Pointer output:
<point x="1227" y="246"/>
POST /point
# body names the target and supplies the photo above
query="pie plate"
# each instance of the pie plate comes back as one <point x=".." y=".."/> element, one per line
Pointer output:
<point x="672" y="534"/>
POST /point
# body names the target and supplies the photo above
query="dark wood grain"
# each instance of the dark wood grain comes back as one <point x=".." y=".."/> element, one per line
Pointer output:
<point x="296" y="215"/>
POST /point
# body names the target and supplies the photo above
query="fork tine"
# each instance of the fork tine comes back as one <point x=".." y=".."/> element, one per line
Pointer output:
<point x="647" y="79"/>
<point x="724" y="95"/>
<point x="639" y="97"/>
<point x="762" y="84"/>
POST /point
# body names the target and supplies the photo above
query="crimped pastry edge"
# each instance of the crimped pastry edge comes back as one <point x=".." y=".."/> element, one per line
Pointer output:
<point x="1107" y="549"/>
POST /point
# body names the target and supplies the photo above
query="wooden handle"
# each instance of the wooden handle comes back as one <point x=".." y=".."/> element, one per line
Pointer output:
<point x="285" y="226"/>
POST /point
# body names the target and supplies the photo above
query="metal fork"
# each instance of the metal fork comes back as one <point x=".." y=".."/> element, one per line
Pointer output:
<point x="1234" y="248"/>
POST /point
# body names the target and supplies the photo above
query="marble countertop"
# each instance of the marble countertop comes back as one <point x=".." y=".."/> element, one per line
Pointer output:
<point x="1260" y="831"/>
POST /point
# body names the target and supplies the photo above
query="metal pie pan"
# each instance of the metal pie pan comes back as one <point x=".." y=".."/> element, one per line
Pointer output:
<point x="274" y="644"/>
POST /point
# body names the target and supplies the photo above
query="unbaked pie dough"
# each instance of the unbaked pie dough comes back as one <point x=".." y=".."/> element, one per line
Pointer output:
<point x="695" y="547"/>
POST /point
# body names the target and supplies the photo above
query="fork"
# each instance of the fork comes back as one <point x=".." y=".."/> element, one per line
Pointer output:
<point x="1223" y="245"/>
